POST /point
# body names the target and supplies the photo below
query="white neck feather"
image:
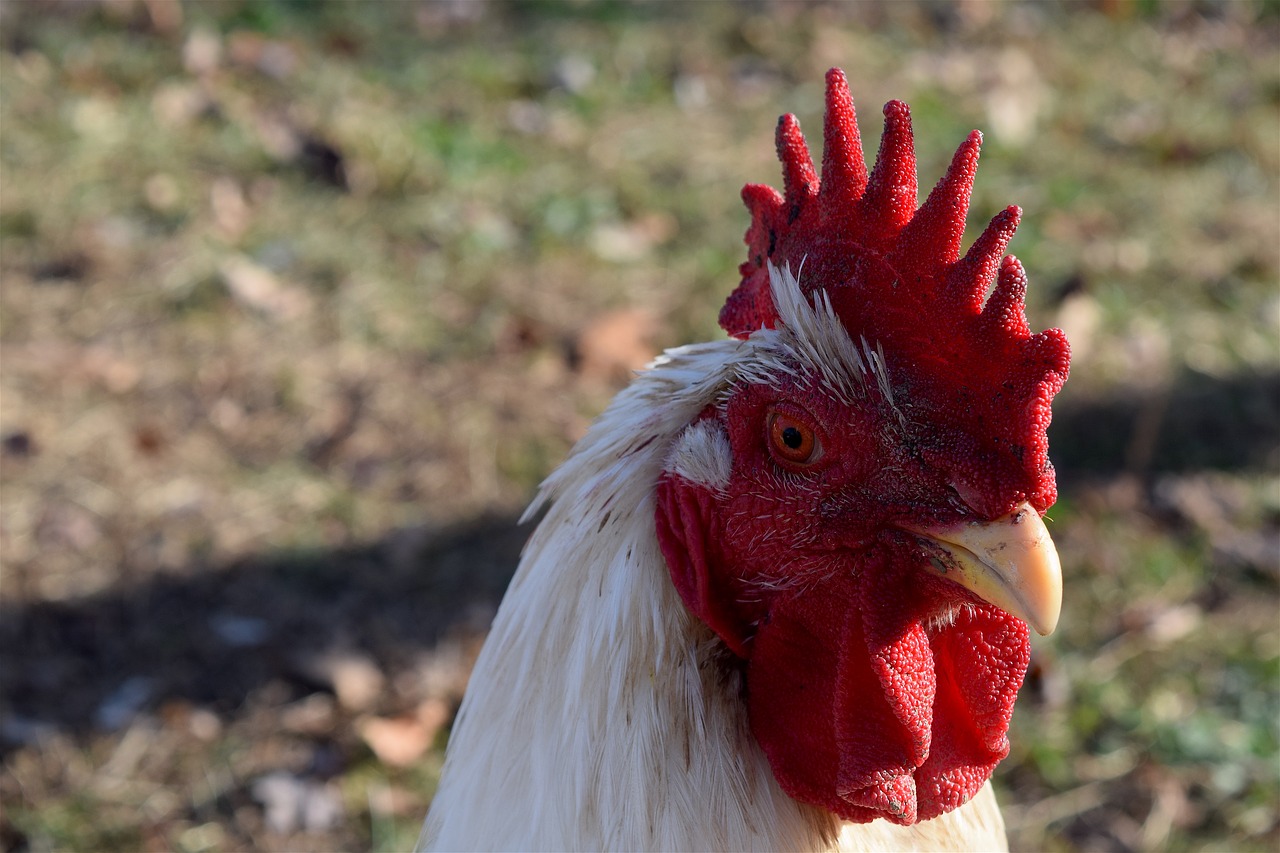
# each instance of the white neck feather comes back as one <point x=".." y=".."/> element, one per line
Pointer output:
<point x="597" y="717"/>
<point x="594" y="718"/>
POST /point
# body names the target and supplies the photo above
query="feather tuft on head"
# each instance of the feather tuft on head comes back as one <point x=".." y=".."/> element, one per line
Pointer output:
<point x="953" y="329"/>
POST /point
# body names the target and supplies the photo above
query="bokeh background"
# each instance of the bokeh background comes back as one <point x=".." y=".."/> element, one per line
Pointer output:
<point x="300" y="301"/>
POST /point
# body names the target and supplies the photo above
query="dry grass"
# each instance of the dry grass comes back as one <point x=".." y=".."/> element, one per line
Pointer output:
<point x="299" y="304"/>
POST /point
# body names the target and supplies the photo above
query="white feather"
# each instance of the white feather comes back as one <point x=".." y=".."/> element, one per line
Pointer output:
<point x="702" y="455"/>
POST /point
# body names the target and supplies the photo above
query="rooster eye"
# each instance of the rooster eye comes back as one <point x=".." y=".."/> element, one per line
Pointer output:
<point x="791" y="440"/>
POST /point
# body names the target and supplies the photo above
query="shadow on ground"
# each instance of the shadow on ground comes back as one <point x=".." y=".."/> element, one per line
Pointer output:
<point x="1198" y="423"/>
<point x="212" y="636"/>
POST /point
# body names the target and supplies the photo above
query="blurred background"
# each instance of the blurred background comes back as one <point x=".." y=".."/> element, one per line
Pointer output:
<point x="301" y="300"/>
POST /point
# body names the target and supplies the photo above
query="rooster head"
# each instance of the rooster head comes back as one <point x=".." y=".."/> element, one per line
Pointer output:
<point x="858" y="515"/>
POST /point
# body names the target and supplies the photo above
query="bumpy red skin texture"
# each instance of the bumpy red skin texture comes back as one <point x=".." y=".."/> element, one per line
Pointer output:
<point x="953" y="328"/>
<point x="861" y="707"/>
<point x="911" y="722"/>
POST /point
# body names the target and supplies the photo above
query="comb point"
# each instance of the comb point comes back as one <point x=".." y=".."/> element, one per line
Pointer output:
<point x="799" y="180"/>
<point x="1005" y="311"/>
<point x="936" y="232"/>
<point x="973" y="275"/>
<point x="890" y="199"/>
<point x="844" y="171"/>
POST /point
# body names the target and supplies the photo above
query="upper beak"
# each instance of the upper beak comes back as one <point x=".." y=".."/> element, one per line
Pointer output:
<point x="1009" y="562"/>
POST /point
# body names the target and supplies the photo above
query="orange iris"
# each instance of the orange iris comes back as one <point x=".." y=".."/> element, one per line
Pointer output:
<point x="791" y="440"/>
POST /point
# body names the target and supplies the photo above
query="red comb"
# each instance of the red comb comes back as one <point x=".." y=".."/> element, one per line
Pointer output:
<point x="896" y="279"/>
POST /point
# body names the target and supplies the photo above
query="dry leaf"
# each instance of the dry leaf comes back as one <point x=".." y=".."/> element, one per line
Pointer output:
<point x="356" y="680"/>
<point x="258" y="288"/>
<point x="616" y="344"/>
<point x="397" y="741"/>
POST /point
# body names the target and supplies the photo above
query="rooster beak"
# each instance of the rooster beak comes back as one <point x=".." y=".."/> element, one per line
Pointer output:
<point x="1009" y="562"/>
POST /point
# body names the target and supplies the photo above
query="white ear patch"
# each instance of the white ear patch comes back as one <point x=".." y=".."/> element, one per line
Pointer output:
<point x="702" y="454"/>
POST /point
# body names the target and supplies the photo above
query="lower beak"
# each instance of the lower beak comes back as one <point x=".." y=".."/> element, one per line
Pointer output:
<point x="1009" y="562"/>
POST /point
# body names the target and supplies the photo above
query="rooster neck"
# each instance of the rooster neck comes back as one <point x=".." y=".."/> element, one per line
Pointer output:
<point x="595" y="717"/>
<point x="598" y="716"/>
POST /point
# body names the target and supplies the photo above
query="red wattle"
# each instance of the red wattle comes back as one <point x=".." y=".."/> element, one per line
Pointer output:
<point x="866" y="711"/>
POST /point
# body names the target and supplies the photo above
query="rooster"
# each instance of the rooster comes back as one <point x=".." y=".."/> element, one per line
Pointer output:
<point x="780" y="598"/>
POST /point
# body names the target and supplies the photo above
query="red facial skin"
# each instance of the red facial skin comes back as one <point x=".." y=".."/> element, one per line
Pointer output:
<point x="864" y="704"/>
<point x="875" y="687"/>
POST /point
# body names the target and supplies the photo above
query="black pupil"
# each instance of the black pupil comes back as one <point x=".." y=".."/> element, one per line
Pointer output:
<point x="792" y="438"/>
